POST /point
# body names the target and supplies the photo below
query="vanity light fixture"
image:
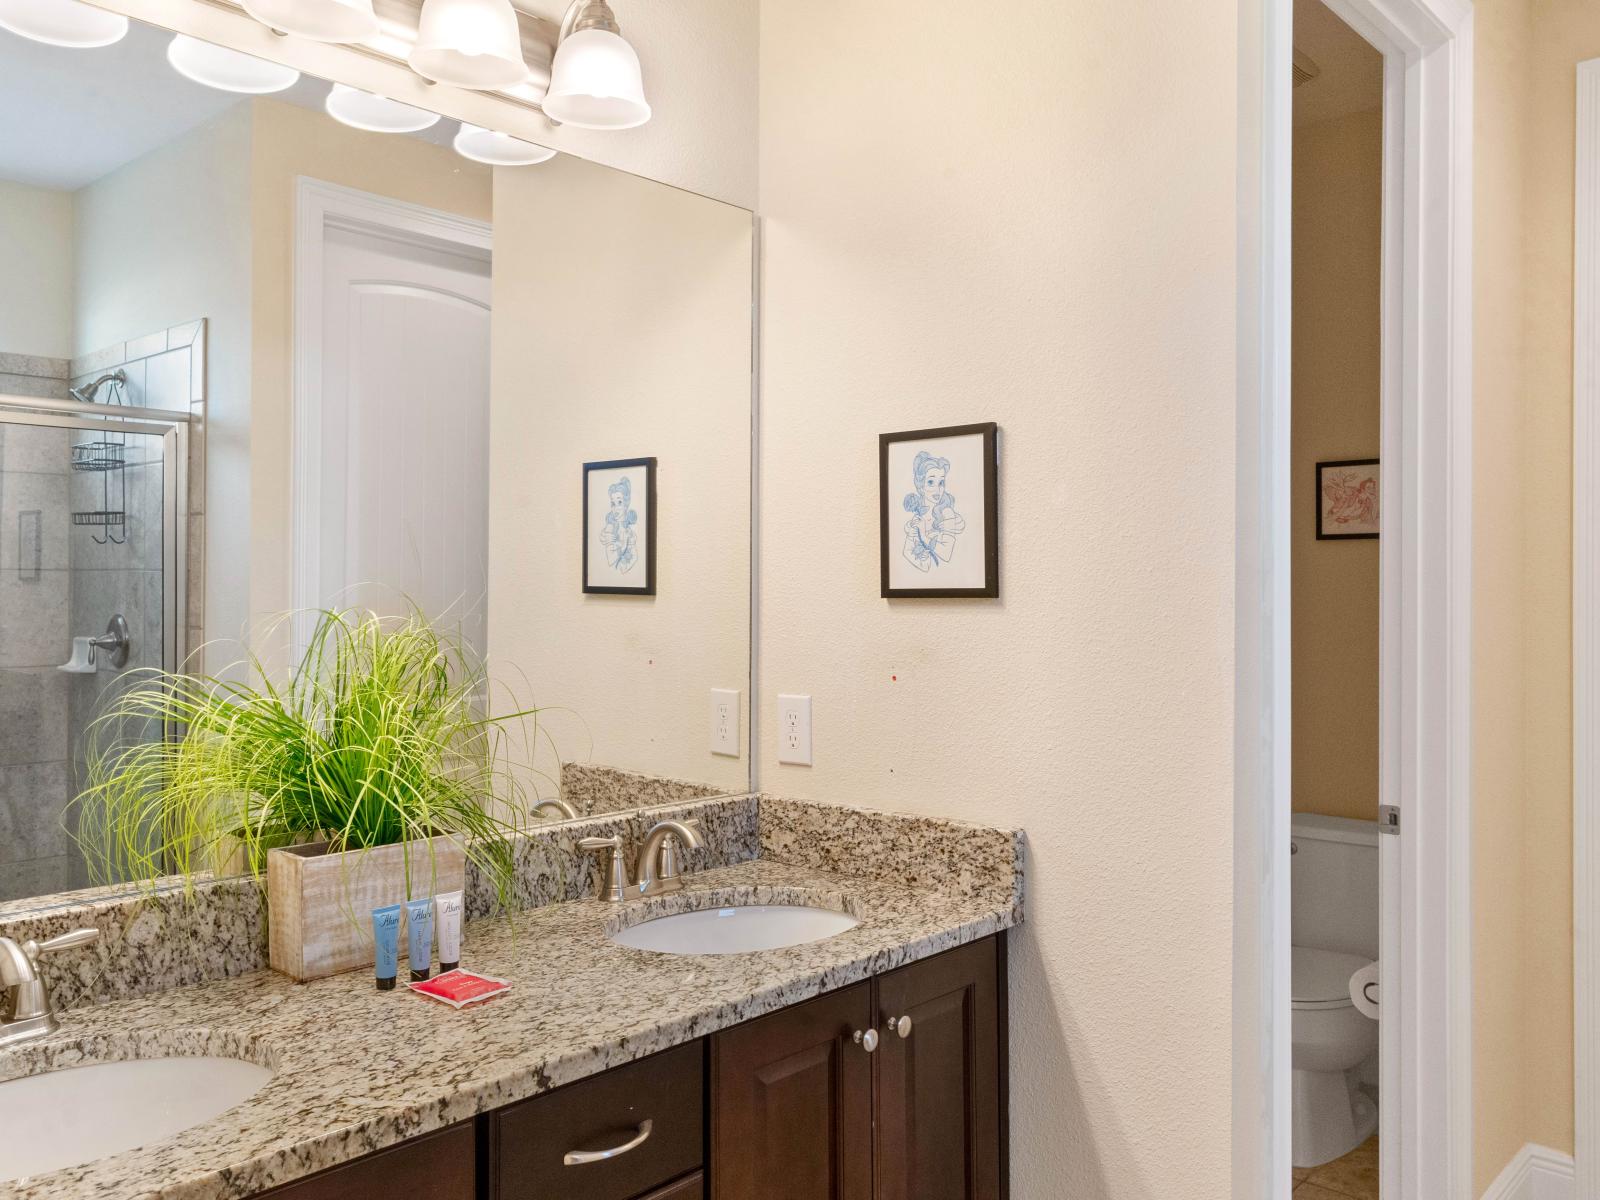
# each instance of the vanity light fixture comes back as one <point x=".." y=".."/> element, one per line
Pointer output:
<point x="595" y="81"/>
<point x="469" y="43"/>
<point x="498" y="149"/>
<point x="319" y="20"/>
<point x="374" y="113"/>
<point x="63" y="23"/>
<point x="227" y="70"/>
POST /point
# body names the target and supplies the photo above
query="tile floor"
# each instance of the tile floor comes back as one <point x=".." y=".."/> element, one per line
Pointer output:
<point x="1353" y="1177"/>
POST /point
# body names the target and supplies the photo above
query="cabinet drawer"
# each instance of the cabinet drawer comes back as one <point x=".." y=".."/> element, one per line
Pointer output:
<point x="532" y="1139"/>
<point x="441" y="1166"/>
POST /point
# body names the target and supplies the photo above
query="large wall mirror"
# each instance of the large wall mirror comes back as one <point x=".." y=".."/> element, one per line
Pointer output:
<point x="267" y="351"/>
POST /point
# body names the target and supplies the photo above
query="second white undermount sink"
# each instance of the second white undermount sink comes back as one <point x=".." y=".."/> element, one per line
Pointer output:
<point x="739" y="929"/>
<point x="63" y="1118"/>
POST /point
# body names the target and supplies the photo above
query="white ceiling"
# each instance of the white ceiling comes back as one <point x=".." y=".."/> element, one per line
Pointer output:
<point x="1351" y="78"/>
<point x="72" y="116"/>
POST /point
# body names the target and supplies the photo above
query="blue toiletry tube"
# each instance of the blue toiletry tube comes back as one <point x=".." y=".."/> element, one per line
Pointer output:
<point x="386" y="936"/>
<point x="447" y="918"/>
<point x="419" y="915"/>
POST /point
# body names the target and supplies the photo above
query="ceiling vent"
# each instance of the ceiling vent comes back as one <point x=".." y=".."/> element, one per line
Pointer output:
<point x="1304" y="69"/>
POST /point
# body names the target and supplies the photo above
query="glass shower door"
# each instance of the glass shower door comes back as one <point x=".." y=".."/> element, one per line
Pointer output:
<point x="89" y="592"/>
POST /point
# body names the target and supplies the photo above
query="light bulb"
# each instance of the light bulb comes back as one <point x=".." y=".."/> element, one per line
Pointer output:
<point x="595" y="82"/>
<point x="227" y="70"/>
<point x="63" y="23"/>
<point x="498" y="149"/>
<point x="377" y="114"/>
<point x="469" y="43"/>
<point x="319" y="20"/>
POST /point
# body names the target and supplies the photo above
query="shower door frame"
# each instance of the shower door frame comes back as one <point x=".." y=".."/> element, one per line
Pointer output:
<point x="173" y="430"/>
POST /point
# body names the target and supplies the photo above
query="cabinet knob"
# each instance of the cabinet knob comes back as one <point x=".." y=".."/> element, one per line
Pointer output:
<point x="900" y="1025"/>
<point x="868" y="1040"/>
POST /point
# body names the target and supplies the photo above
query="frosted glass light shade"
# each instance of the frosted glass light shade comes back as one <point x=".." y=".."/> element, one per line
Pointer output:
<point x="498" y="149"/>
<point x="595" y="83"/>
<point x="469" y="43"/>
<point x="319" y="20"/>
<point x="227" y="70"/>
<point x="378" y="114"/>
<point x="63" y="23"/>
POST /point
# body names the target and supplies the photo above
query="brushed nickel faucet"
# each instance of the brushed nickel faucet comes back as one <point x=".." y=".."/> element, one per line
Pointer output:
<point x="658" y="871"/>
<point x="26" y="1012"/>
<point x="559" y="810"/>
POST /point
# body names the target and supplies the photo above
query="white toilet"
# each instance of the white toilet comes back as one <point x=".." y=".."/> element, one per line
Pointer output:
<point x="1334" y="922"/>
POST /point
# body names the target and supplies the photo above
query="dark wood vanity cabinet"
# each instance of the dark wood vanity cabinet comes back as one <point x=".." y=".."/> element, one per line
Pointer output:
<point x="789" y="1106"/>
<point x="801" y="1109"/>
<point x="791" y="1103"/>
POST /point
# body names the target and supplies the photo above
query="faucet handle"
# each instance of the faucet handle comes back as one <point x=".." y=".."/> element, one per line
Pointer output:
<point x="615" y="887"/>
<point x="63" y="941"/>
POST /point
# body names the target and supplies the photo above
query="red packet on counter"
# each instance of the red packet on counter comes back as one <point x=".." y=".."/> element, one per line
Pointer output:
<point x="460" y="988"/>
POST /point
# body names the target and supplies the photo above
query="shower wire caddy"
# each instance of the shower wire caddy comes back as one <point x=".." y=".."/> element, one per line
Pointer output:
<point x="108" y="459"/>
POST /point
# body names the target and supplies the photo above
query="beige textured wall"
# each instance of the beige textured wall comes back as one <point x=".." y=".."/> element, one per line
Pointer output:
<point x="1565" y="33"/>
<point x="1527" y="59"/>
<point x="1031" y="221"/>
<point x="622" y="330"/>
<point x="287" y="142"/>
<point x="1500" y="907"/>
<point x="1336" y="364"/>
<point x="36" y="262"/>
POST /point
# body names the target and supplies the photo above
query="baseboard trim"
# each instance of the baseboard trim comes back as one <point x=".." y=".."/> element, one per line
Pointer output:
<point x="1535" y="1173"/>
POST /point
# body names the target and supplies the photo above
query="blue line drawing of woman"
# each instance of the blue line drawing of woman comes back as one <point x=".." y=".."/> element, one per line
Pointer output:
<point x="616" y="535"/>
<point x="934" y="526"/>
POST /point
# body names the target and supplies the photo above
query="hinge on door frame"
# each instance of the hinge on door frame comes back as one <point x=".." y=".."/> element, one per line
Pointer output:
<point x="1388" y="818"/>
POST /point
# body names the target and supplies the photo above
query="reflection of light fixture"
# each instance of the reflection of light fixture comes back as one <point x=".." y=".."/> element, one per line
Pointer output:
<point x="63" y="22"/>
<point x="469" y="43"/>
<point x="319" y="20"/>
<point x="595" y="82"/>
<point x="379" y="114"/>
<point x="498" y="149"/>
<point x="228" y="70"/>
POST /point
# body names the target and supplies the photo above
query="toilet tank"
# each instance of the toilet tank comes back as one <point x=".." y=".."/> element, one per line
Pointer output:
<point x="1333" y="883"/>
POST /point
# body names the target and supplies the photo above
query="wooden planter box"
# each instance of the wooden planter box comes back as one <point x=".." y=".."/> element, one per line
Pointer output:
<point x="319" y="905"/>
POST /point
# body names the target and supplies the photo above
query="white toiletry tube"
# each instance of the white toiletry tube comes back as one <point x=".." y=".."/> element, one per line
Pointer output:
<point x="447" y="920"/>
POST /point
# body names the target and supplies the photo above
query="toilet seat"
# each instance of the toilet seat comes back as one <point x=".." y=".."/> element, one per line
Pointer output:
<point x="1320" y="979"/>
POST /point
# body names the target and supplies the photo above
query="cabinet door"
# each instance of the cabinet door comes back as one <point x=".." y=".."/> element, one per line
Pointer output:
<point x="939" y="1094"/>
<point x="791" y="1103"/>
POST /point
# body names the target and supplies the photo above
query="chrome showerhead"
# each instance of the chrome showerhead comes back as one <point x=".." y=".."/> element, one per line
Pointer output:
<point x="87" y="391"/>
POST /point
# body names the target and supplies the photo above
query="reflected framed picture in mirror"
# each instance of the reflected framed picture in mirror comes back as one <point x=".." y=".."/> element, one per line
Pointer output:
<point x="1347" y="499"/>
<point x="619" y="527"/>
<point x="938" y="515"/>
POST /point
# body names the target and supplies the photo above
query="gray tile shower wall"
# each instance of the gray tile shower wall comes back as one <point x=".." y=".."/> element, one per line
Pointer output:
<point x="33" y="375"/>
<point x="35" y="583"/>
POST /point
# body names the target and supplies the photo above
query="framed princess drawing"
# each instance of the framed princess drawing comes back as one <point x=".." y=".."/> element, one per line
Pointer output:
<point x="1347" y="499"/>
<point x="619" y="527"/>
<point x="938" y="514"/>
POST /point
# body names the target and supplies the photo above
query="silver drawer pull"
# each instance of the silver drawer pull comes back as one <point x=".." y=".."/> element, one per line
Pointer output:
<point x="576" y="1158"/>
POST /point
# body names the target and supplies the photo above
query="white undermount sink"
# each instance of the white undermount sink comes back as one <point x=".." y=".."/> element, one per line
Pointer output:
<point x="63" y="1118"/>
<point x="739" y="929"/>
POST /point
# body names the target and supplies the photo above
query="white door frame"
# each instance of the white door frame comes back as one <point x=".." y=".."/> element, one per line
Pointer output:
<point x="1425" y="638"/>
<point x="1585" y="613"/>
<point x="320" y="206"/>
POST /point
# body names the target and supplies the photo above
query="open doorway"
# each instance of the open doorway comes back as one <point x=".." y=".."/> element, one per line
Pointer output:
<point x="1336" y="429"/>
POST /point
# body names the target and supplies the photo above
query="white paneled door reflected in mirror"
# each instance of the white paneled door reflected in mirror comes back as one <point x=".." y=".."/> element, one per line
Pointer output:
<point x="270" y="346"/>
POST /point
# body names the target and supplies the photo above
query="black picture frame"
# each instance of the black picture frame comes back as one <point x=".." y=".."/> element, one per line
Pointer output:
<point x="1344" y="537"/>
<point x="648" y="588"/>
<point x="989" y="432"/>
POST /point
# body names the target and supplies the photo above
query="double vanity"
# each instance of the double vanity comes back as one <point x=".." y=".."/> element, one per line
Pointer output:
<point x="818" y="1011"/>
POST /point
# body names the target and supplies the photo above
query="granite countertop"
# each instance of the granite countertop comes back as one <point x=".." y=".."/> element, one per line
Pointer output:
<point x="357" y="1070"/>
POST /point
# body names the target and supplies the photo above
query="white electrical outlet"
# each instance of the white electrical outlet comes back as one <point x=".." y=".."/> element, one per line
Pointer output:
<point x="794" y="730"/>
<point x="725" y="721"/>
